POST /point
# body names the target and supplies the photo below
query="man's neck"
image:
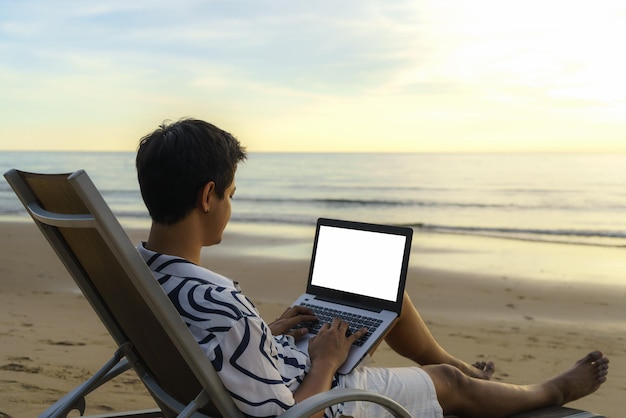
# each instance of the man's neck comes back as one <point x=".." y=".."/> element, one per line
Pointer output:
<point x="180" y="240"/>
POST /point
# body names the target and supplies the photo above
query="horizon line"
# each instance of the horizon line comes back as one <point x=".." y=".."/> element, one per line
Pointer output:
<point x="348" y="152"/>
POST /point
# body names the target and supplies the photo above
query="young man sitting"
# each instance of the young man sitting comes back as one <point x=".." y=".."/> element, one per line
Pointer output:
<point x="186" y="173"/>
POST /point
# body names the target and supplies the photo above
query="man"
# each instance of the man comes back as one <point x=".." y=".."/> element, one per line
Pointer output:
<point x="186" y="173"/>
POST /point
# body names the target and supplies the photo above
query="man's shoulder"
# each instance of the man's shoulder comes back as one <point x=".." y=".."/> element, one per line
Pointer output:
<point x="201" y="299"/>
<point x="167" y="265"/>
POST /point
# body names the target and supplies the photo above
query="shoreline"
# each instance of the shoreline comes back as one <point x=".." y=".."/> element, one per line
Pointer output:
<point x="52" y="339"/>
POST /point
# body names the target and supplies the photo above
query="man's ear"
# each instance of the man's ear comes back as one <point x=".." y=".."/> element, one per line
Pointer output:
<point x="206" y="194"/>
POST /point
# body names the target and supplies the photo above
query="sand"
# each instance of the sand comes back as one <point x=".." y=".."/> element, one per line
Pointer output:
<point x="52" y="340"/>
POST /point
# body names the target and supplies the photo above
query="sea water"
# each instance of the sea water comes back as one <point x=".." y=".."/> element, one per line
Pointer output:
<point x="547" y="217"/>
<point x="565" y="198"/>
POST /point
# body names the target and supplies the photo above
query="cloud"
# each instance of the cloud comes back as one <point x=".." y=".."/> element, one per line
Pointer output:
<point x="354" y="67"/>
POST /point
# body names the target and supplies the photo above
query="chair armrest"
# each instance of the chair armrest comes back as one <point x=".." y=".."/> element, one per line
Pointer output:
<point x="322" y="400"/>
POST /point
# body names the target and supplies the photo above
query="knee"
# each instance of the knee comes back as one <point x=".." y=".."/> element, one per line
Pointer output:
<point x="455" y="390"/>
<point x="446" y="378"/>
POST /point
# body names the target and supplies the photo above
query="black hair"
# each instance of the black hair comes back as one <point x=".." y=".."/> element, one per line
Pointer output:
<point x="175" y="161"/>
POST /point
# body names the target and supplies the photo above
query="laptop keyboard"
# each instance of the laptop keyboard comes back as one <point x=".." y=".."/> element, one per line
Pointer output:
<point x="355" y="322"/>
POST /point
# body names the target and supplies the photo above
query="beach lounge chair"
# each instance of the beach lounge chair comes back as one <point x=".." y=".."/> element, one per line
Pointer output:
<point x="151" y="337"/>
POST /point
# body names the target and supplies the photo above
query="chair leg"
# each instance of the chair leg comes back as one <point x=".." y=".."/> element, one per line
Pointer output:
<point x="75" y="400"/>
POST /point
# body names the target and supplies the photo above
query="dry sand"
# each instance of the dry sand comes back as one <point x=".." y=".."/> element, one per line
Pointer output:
<point x="52" y="340"/>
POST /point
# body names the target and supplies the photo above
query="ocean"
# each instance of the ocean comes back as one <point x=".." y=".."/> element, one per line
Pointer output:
<point x="562" y="198"/>
<point x="542" y="217"/>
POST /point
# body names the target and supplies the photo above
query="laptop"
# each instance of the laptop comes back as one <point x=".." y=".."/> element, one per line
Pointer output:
<point x="358" y="269"/>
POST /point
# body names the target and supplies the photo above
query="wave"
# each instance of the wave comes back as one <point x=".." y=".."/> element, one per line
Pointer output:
<point x="603" y="238"/>
<point x="275" y="219"/>
<point x="344" y="202"/>
<point x="562" y="236"/>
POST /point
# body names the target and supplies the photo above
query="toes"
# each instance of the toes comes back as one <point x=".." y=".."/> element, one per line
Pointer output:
<point x="600" y="364"/>
<point x="602" y="369"/>
<point x="485" y="366"/>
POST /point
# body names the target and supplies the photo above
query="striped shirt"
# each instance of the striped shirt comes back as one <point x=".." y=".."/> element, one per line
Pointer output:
<point x="261" y="371"/>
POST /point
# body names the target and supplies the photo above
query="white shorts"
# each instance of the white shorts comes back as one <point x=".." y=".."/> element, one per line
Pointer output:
<point x="411" y="387"/>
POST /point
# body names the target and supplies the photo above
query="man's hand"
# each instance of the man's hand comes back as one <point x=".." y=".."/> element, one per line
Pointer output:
<point x="331" y="344"/>
<point x="327" y="350"/>
<point x="292" y="316"/>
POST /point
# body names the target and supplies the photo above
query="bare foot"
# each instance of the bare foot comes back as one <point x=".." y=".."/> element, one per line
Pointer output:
<point x="479" y="370"/>
<point x="583" y="378"/>
<point x="485" y="369"/>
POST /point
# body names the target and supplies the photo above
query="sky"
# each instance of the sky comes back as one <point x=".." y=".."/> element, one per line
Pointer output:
<point x="322" y="76"/>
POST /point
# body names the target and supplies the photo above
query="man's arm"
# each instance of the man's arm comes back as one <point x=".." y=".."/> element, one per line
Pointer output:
<point x="327" y="350"/>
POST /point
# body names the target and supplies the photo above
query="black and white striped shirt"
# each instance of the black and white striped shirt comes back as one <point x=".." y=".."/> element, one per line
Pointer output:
<point x="261" y="371"/>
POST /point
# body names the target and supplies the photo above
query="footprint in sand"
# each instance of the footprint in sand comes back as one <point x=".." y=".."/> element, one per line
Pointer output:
<point x="16" y="367"/>
<point x="64" y="343"/>
<point x="20" y="359"/>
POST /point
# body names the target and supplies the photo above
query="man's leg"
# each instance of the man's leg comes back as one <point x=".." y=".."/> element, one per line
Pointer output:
<point x="411" y="338"/>
<point x="459" y="394"/>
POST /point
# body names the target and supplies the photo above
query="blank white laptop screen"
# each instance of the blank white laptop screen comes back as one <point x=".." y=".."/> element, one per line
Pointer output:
<point x="361" y="262"/>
